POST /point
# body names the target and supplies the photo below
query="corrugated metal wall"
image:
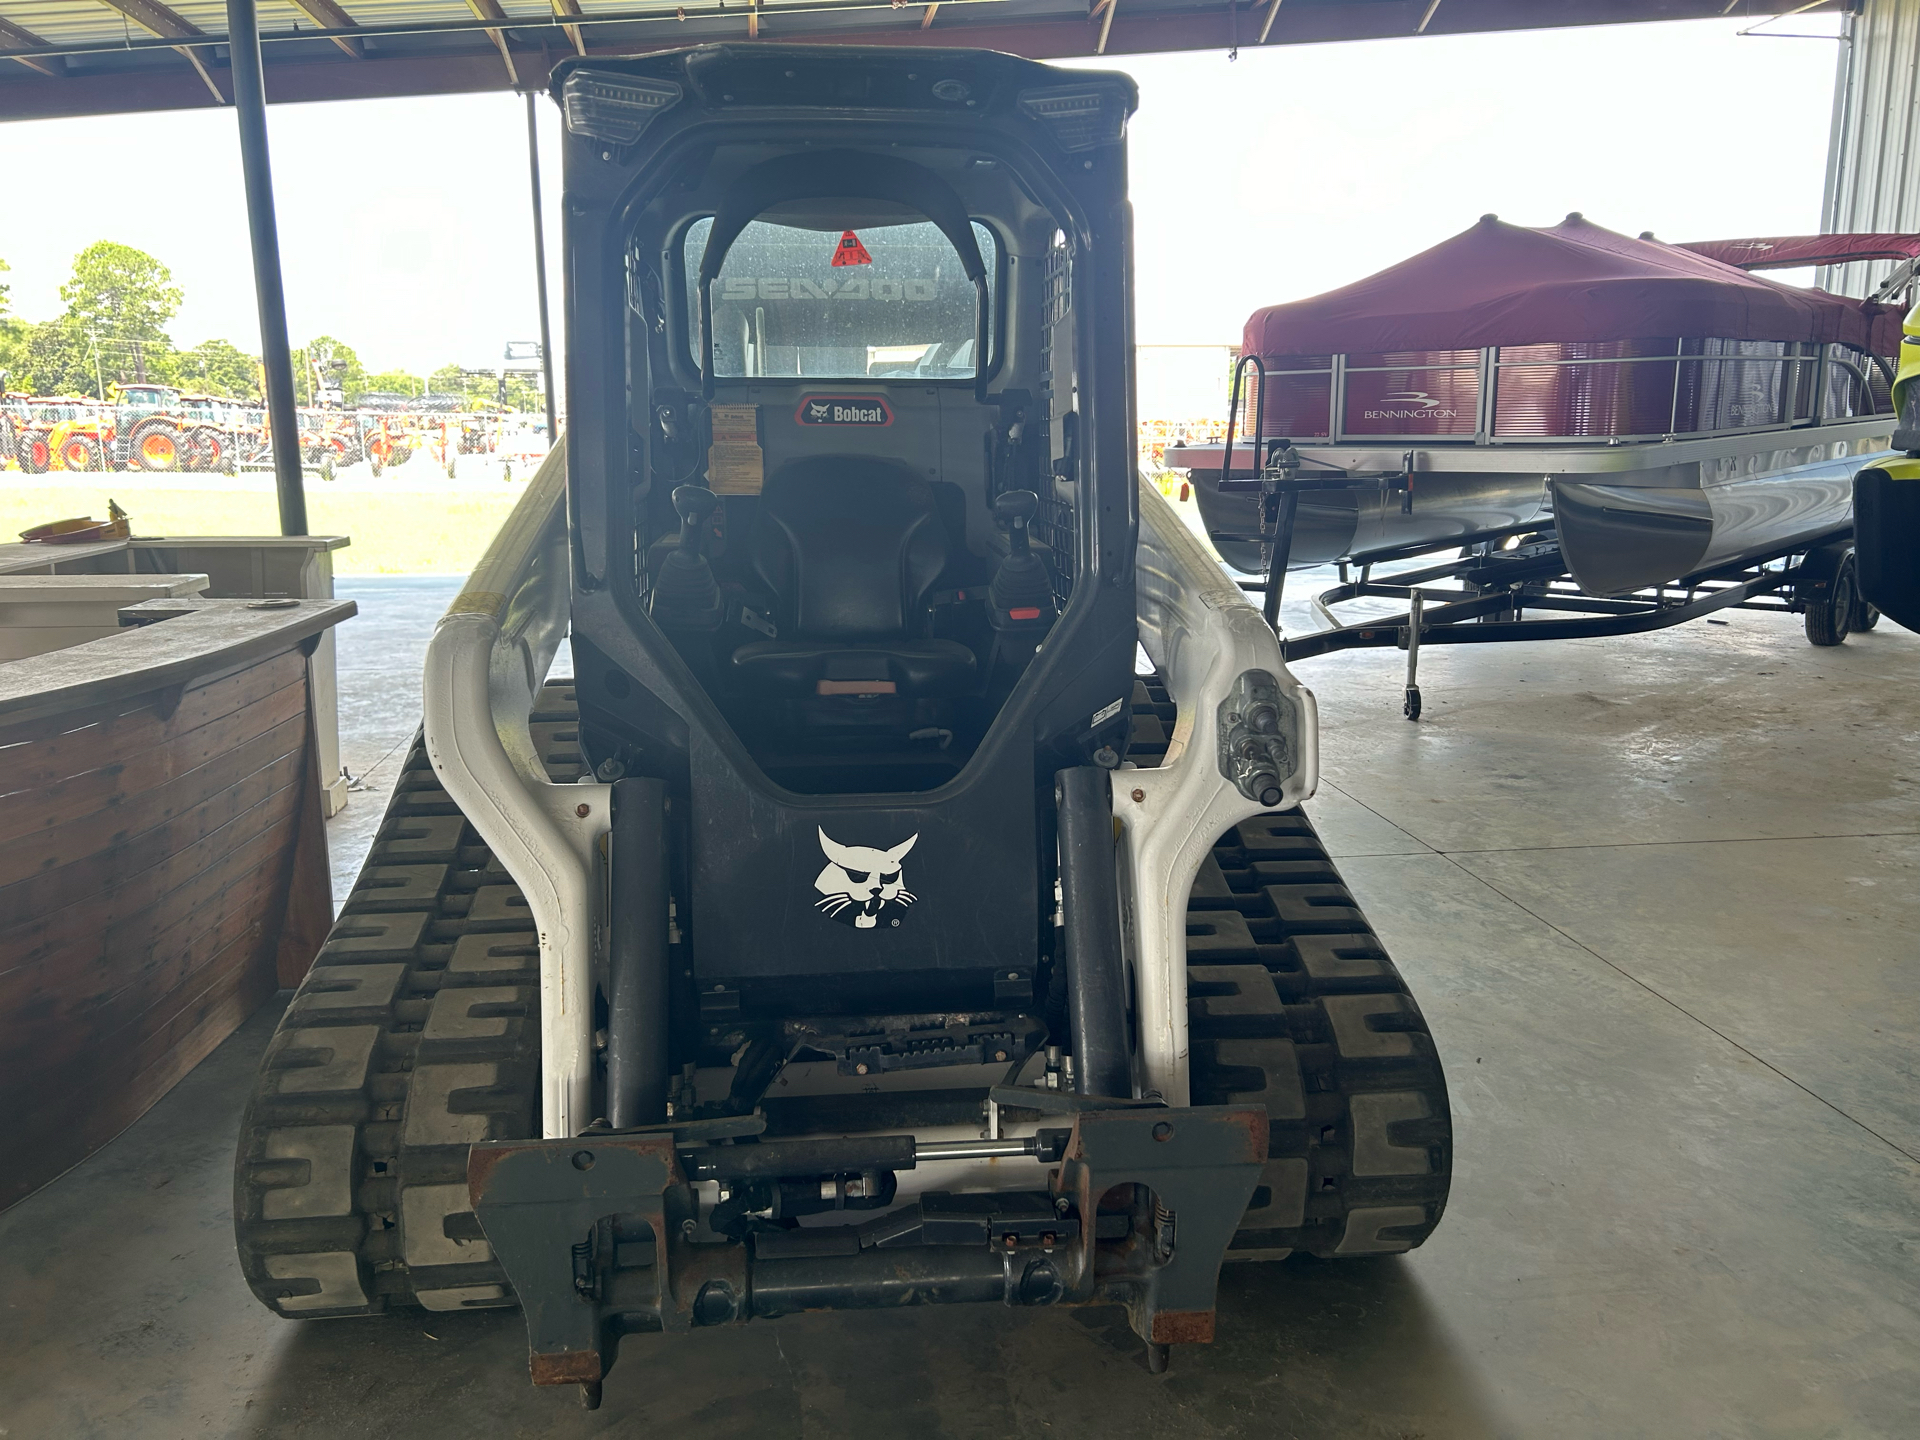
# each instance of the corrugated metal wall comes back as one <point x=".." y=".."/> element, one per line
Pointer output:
<point x="1873" y="158"/>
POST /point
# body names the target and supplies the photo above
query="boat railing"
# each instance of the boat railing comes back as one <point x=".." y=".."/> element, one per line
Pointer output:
<point x="1646" y="391"/>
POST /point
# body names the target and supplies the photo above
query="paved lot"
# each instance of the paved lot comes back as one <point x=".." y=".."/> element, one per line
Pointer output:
<point x="1658" y="898"/>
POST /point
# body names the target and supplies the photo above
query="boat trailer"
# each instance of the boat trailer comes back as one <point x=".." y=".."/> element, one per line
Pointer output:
<point x="1480" y="594"/>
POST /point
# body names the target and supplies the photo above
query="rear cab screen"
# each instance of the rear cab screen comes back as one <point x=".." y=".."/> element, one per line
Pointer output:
<point x="897" y="306"/>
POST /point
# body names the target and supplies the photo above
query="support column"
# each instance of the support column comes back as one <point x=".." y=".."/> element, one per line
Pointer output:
<point x="250" y="104"/>
<point x="540" y="260"/>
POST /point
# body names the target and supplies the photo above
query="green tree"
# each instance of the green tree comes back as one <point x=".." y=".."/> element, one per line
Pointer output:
<point x="122" y="298"/>
<point x="389" y="382"/>
<point x="219" y="367"/>
<point x="481" y="388"/>
<point x="60" y="359"/>
<point x="13" y="341"/>
<point x="13" y="353"/>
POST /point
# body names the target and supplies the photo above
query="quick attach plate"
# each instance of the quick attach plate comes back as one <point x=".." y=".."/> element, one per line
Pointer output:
<point x="1201" y="1166"/>
<point x="595" y="1234"/>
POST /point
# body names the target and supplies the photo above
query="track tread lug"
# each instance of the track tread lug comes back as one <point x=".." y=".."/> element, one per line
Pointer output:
<point x="1362" y="1165"/>
<point x="410" y="1037"/>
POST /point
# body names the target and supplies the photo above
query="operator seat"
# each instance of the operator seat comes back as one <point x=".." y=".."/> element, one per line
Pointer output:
<point x="850" y="548"/>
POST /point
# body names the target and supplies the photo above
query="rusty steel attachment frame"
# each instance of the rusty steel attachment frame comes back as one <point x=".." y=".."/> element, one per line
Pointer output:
<point x="1139" y="1211"/>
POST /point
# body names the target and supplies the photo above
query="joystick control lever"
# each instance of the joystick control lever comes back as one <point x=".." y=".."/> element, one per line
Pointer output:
<point x="694" y="504"/>
<point x="1013" y="512"/>
<point x="685" y="594"/>
<point x="1021" y="595"/>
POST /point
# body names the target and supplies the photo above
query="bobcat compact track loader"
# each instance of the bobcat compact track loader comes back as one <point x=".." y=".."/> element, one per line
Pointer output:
<point x="906" y="901"/>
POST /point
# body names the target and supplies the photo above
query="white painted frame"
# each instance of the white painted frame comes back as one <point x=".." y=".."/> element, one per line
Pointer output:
<point x="487" y="661"/>
<point x="1202" y="634"/>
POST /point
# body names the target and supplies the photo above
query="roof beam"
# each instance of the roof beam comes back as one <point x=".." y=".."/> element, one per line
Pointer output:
<point x="14" y="35"/>
<point x="121" y="77"/>
<point x="490" y="10"/>
<point x="571" y="7"/>
<point x="329" y="16"/>
<point x="152" y="15"/>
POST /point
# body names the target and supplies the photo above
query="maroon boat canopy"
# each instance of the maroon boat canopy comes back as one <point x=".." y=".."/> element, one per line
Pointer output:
<point x="1499" y="284"/>
<point x="1790" y="252"/>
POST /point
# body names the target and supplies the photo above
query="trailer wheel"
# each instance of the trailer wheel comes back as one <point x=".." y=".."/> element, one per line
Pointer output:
<point x="416" y="1034"/>
<point x="1294" y="1003"/>
<point x="1830" y="618"/>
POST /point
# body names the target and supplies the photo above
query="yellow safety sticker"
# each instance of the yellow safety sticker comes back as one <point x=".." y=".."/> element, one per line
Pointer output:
<point x="735" y="463"/>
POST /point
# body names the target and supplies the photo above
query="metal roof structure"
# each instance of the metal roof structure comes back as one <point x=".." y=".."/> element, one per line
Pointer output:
<point x="96" y="57"/>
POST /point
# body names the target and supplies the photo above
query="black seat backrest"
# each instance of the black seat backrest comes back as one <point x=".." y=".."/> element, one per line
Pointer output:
<point x="850" y="545"/>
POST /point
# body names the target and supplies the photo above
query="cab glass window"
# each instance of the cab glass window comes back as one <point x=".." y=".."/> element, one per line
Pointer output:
<point x="781" y="306"/>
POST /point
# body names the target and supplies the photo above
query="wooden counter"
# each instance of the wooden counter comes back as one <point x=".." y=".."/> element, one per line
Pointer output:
<point x="162" y="860"/>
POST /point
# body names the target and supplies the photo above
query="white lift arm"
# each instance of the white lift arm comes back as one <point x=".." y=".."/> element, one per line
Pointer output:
<point x="1205" y="638"/>
<point x="485" y="666"/>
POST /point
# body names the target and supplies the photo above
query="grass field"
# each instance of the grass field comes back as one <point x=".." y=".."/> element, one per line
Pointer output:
<point x="430" y="532"/>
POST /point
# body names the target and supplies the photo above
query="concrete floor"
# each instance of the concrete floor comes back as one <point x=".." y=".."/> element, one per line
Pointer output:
<point x="1658" y="899"/>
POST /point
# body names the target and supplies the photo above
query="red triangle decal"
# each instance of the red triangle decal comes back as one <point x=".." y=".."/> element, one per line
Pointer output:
<point x="850" y="251"/>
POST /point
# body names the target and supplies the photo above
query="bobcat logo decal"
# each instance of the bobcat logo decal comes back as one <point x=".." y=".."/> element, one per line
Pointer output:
<point x="858" y="882"/>
<point x="844" y="410"/>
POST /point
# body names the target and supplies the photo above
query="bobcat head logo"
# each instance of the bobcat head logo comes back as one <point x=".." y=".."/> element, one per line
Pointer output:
<point x="859" y="882"/>
<point x="819" y="410"/>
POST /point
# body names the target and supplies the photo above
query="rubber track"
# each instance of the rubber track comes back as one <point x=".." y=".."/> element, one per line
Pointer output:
<point x="416" y="1033"/>
<point x="1293" y="1002"/>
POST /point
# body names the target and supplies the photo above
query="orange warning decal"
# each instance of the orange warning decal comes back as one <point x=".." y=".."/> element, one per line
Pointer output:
<point x="850" y="251"/>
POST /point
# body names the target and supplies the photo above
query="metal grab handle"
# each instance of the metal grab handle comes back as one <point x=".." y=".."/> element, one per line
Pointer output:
<point x="1233" y="413"/>
<point x="982" y="323"/>
<point x="706" y="337"/>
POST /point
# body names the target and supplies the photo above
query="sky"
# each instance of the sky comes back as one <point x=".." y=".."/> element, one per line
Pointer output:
<point x="405" y="226"/>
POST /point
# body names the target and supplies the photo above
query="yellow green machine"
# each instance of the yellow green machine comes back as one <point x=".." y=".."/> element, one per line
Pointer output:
<point x="1886" y="501"/>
